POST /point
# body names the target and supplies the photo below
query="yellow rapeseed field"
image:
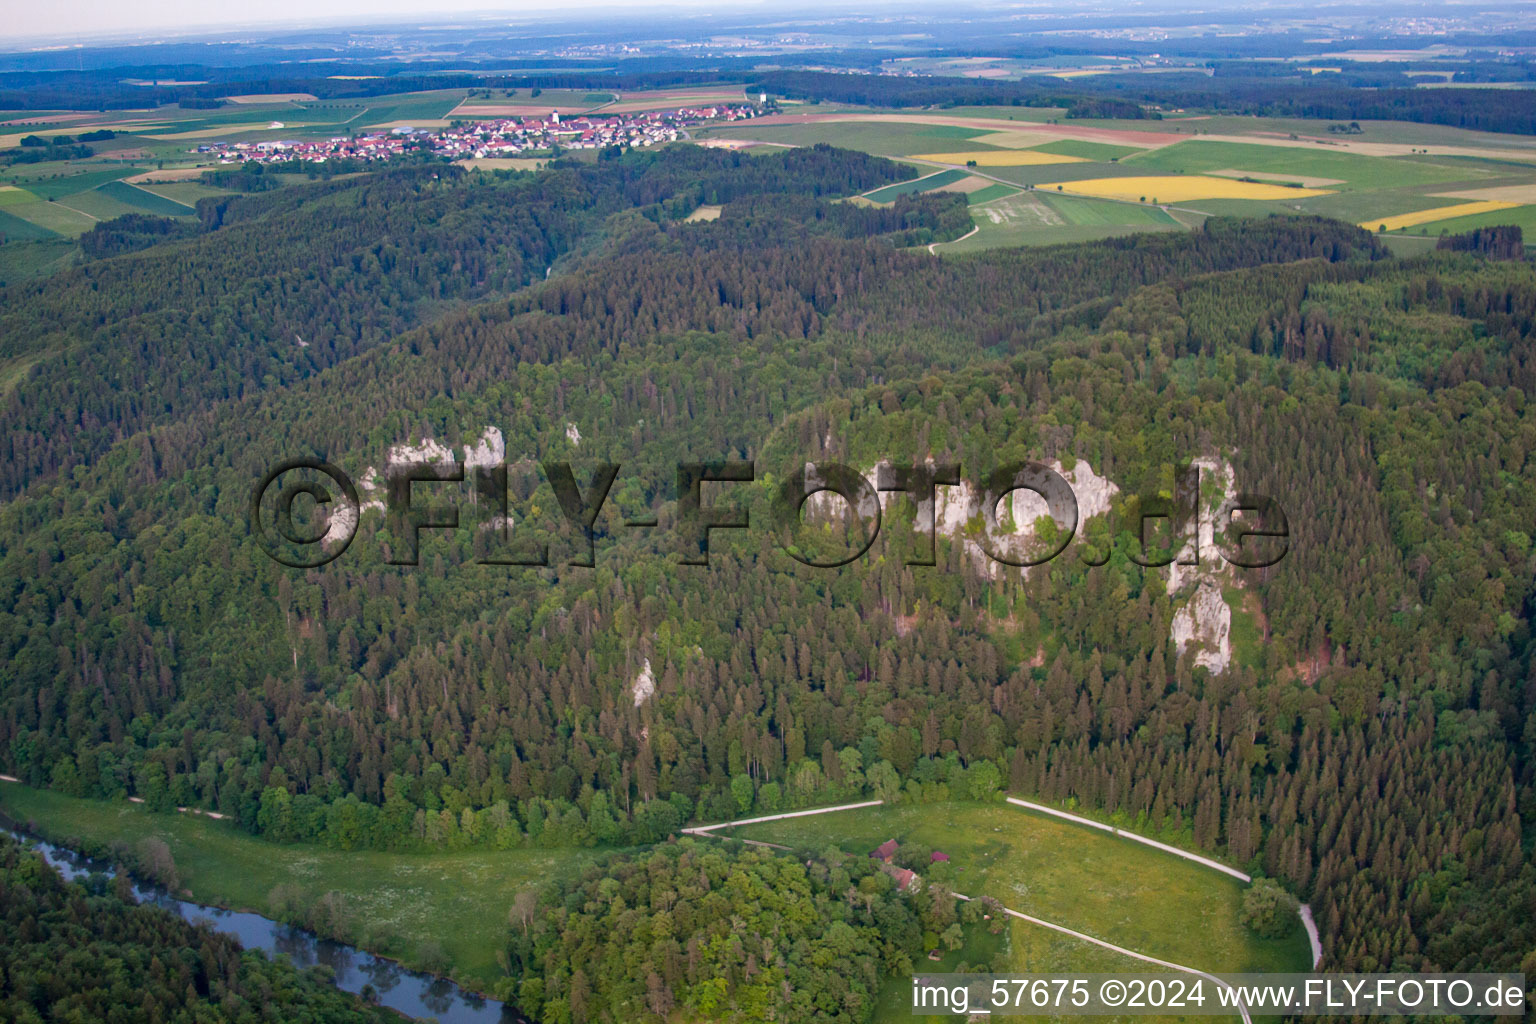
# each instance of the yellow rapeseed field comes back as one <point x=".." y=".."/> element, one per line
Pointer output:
<point x="1408" y="220"/>
<point x="1178" y="188"/>
<point x="1001" y="158"/>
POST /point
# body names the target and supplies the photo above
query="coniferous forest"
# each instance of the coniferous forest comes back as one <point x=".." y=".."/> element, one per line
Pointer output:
<point x="1370" y="744"/>
<point x="88" y="951"/>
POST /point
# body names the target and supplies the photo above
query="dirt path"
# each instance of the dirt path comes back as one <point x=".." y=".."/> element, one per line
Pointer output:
<point x="1063" y="929"/>
<point x="932" y="246"/>
<point x="1306" y="912"/>
<point x="699" y="830"/>
<point x="1078" y="819"/>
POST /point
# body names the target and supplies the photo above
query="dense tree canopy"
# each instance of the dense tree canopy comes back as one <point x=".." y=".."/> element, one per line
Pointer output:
<point x="85" y="951"/>
<point x="1370" y="745"/>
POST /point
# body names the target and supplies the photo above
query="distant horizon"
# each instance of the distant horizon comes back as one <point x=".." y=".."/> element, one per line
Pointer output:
<point x="59" y="24"/>
<point x="82" y="23"/>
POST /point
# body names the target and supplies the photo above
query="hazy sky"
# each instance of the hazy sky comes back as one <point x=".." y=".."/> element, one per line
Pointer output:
<point x="71" y="20"/>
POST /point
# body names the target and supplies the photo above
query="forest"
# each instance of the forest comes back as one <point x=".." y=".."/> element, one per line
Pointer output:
<point x="86" y="950"/>
<point x="1369" y="747"/>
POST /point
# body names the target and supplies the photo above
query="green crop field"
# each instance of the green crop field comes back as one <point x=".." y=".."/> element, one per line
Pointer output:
<point x="69" y="184"/>
<point x="890" y="192"/>
<point x="991" y="192"/>
<point x="1113" y="889"/>
<point x="1097" y="151"/>
<point x="56" y="217"/>
<point x="14" y="229"/>
<point x="150" y="202"/>
<point x="1039" y="218"/>
<point x="459" y="900"/>
<point x="1523" y="217"/>
<point x="1078" y="210"/>
<point x="1198" y="156"/>
<point x="186" y="193"/>
<point x="96" y="205"/>
<point x="880" y="138"/>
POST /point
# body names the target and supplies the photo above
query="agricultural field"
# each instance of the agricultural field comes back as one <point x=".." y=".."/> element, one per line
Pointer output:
<point x="1454" y="211"/>
<point x="1000" y="158"/>
<point x="1113" y="889"/>
<point x="881" y="137"/>
<point x="926" y="183"/>
<point x="457" y="899"/>
<point x="15" y="229"/>
<point x="1034" y="218"/>
<point x="1177" y="189"/>
<point x="1207" y="165"/>
<point x="145" y="200"/>
<point x="1523" y="217"/>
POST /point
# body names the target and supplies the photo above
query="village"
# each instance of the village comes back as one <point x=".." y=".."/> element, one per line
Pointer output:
<point x="510" y="137"/>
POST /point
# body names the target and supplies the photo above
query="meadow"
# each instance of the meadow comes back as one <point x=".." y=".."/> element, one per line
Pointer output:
<point x="1262" y="166"/>
<point x="927" y="182"/>
<point x="417" y="908"/>
<point x="1034" y="218"/>
<point x="1113" y="889"/>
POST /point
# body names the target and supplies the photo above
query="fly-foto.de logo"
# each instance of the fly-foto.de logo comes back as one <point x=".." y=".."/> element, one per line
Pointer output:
<point x="305" y="512"/>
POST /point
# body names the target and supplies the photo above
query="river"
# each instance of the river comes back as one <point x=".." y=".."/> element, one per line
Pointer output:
<point x="408" y="992"/>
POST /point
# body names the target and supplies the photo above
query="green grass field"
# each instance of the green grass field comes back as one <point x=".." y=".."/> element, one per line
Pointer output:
<point x="1198" y="156"/>
<point x="15" y="229"/>
<point x="991" y="192"/>
<point x="69" y="184"/>
<point x="1078" y="210"/>
<point x="97" y="204"/>
<point x="1098" y="151"/>
<point x="1038" y="218"/>
<point x="11" y="195"/>
<point x="882" y="139"/>
<point x="1524" y="217"/>
<point x="1113" y="889"/>
<point x="459" y="900"/>
<point x="149" y="202"/>
<point x="890" y="192"/>
<point x="55" y="217"/>
<point x="185" y="193"/>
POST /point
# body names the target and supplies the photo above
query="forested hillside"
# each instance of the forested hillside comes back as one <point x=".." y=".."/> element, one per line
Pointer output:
<point x="86" y="951"/>
<point x="1368" y="741"/>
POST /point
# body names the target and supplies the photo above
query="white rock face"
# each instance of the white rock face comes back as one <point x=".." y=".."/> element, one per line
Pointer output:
<point x="1217" y="484"/>
<point x="1205" y="621"/>
<point x="491" y="451"/>
<point x="572" y="434"/>
<point x="370" y="485"/>
<point x="428" y="451"/>
<point x="342" y="521"/>
<point x="644" y="684"/>
<point x="955" y="506"/>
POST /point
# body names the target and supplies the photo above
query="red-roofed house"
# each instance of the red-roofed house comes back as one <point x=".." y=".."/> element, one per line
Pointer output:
<point x="885" y="851"/>
<point x="938" y="855"/>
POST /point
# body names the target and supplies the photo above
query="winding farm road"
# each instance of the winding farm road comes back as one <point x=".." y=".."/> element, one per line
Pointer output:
<point x="1306" y="916"/>
<point x="933" y="246"/>
<point x="1119" y="949"/>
